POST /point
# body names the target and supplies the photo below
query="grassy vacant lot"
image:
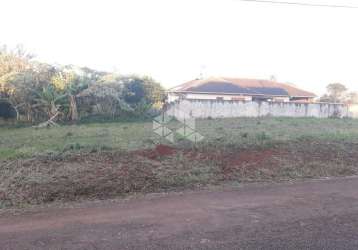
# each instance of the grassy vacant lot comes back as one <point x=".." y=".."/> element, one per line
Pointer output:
<point x="28" y="142"/>
<point x="109" y="159"/>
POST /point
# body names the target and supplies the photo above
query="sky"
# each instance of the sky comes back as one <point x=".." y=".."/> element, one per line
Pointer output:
<point x="175" y="41"/>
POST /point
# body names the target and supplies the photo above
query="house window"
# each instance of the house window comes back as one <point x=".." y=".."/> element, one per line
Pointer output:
<point x="220" y="98"/>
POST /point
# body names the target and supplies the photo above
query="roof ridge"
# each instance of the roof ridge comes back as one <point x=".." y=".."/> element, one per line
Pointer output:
<point x="219" y="84"/>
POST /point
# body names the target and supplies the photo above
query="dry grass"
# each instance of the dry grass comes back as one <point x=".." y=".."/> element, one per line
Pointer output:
<point x="103" y="175"/>
<point x="106" y="160"/>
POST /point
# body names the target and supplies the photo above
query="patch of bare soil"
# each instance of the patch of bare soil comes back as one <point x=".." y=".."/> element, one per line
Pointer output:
<point x="103" y="175"/>
<point x="158" y="152"/>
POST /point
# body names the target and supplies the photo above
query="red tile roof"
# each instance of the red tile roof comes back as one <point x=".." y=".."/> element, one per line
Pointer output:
<point x="242" y="86"/>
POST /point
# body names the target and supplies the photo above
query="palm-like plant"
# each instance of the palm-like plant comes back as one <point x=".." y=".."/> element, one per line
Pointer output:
<point x="50" y="101"/>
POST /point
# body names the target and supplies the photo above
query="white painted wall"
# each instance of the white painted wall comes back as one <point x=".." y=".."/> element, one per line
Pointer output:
<point x="215" y="96"/>
<point x="173" y="97"/>
<point x="281" y="99"/>
<point x="222" y="109"/>
<point x="353" y="110"/>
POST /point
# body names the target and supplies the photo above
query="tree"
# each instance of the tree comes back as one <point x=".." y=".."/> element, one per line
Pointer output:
<point x="134" y="90"/>
<point x="12" y="62"/>
<point x="50" y="101"/>
<point x="335" y="93"/>
<point x="19" y="77"/>
<point x="105" y="96"/>
<point x="65" y="81"/>
<point x="16" y="60"/>
<point x="38" y="91"/>
<point x="352" y="98"/>
<point x="142" y="93"/>
<point x="19" y="91"/>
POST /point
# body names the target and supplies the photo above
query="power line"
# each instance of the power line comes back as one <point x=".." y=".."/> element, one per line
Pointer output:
<point x="303" y="4"/>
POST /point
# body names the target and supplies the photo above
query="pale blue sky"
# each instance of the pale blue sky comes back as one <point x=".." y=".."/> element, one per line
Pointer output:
<point x="172" y="40"/>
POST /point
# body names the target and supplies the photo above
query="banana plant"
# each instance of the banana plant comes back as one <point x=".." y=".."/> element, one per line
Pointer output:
<point x="50" y="101"/>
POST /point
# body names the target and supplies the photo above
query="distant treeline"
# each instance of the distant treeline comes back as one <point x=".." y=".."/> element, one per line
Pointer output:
<point x="33" y="91"/>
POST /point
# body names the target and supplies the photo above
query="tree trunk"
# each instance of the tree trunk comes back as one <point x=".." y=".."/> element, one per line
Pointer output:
<point x="73" y="108"/>
<point x="17" y="113"/>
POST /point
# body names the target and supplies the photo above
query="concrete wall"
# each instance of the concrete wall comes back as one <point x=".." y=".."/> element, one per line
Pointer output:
<point x="353" y="110"/>
<point x="221" y="109"/>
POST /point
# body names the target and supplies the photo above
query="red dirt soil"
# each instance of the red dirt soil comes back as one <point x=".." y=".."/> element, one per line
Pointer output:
<point x="249" y="157"/>
<point x="159" y="151"/>
<point x="230" y="160"/>
<point x="108" y="174"/>
<point x="247" y="160"/>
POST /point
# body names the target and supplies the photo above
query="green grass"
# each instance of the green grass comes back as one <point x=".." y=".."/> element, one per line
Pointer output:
<point x="25" y="142"/>
<point x="95" y="160"/>
<point x="254" y="130"/>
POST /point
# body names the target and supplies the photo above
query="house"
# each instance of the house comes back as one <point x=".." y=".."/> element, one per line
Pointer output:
<point x="223" y="88"/>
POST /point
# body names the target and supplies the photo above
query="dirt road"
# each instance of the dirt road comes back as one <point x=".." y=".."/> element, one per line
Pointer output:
<point x="319" y="214"/>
